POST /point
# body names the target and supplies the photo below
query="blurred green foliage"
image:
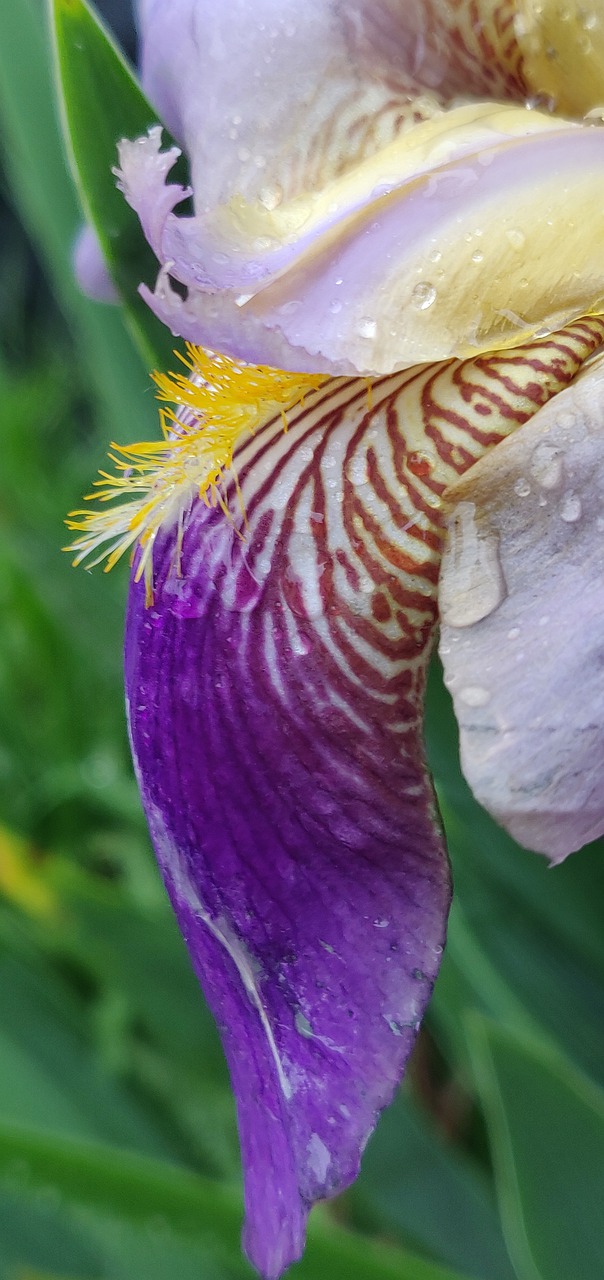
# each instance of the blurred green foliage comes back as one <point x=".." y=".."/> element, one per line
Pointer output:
<point x="118" y="1152"/>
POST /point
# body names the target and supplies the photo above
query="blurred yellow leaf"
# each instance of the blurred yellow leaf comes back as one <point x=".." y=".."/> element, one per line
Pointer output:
<point x="22" y="878"/>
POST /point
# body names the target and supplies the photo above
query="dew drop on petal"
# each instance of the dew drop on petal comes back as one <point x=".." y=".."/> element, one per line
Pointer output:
<point x="472" y="584"/>
<point x="522" y="487"/>
<point x="571" y="508"/>
<point x="423" y="295"/>
<point x="547" y="465"/>
<point x="367" y="328"/>
<point x="595" y="116"/>
<point x="302" y="1025"/>
<point x="474" y="695"/>
<point x="516" y="238"/>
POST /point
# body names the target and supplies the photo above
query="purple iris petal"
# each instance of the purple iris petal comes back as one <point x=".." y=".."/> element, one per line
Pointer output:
<point x="274" y="711"/>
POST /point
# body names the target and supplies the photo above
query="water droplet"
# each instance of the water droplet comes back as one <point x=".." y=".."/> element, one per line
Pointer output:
<point x="288" y="308"/>
<point x="547" y="465"/>
<point x="271" y="197"/>
<point x="516" y="238"/>
<point x="474" y="695"/>
<point x="595" y="116"/>
<point x="571" y="507"/>
<point x="477" y="256"/>
<point x="419" y="463"/>
<point x="513" y="633"/>
<point x="472" y="584"/>
<point x="435" y="255"/>
<point x="357" y="470"/>
<point x="423" y="295"/>
<point x="301" y="644"/>
<point x="540" y="102"/>
<point x="367" y="328"/>
<point x="381" y="924"/>
<point x="302" y="1025"/>
<point x="522" y="487"/>
<point x="335" y="307"/>
<point x="395" y="1026"/>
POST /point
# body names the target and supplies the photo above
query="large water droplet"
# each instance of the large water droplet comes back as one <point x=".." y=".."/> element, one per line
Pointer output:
<point x="595" y="116"/>
<point x="472" y="584"/>
<point x="522" y="487"/>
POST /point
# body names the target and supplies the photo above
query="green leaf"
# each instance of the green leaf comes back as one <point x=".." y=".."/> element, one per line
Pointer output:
<point x="546" y="1124"/>
<point x="102" y="103"/>
<point x="140" y="1191"/>
<point x="34" y="159"/>
<point x="429" y="1194"/>
<point x="49" y="1077"/>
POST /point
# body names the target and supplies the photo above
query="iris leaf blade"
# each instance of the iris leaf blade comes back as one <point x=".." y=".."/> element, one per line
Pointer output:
<point x="138" y="1190"/>
<point x="102" y="102"/>
<point x="546" y="1123"/>
<point x="43" y="194"/>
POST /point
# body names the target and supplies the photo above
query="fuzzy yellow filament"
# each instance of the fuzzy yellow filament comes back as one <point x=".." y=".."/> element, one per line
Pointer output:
<point x="212" y="404"/>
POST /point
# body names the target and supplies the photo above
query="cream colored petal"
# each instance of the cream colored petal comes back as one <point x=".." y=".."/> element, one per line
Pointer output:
<point x="522" y="607"/>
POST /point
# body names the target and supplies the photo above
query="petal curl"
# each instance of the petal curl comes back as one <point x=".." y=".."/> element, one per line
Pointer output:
<point x="522" y="603"/>
<point x="274" y="693"/>
<point x="475" y="231"/>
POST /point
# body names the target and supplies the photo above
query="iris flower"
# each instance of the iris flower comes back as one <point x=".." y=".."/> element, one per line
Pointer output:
<point x="396" y="244"/>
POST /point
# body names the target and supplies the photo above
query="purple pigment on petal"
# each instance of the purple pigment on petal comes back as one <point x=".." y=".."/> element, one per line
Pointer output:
<point x="297" y="834"/>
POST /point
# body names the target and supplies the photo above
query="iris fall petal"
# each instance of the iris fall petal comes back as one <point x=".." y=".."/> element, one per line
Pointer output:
<point x="274" y="690"/>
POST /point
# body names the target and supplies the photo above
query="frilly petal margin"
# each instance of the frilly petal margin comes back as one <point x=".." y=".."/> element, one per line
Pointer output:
<point x="274" y="690"/>
<point x="479" y="230"/>
<point x="522" y="608"/>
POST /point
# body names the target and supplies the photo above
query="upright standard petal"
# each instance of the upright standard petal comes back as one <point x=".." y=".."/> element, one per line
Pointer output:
<point x="274" y="690"/>
<point x="272" y="99"/>
<point x="522" y="608"/>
